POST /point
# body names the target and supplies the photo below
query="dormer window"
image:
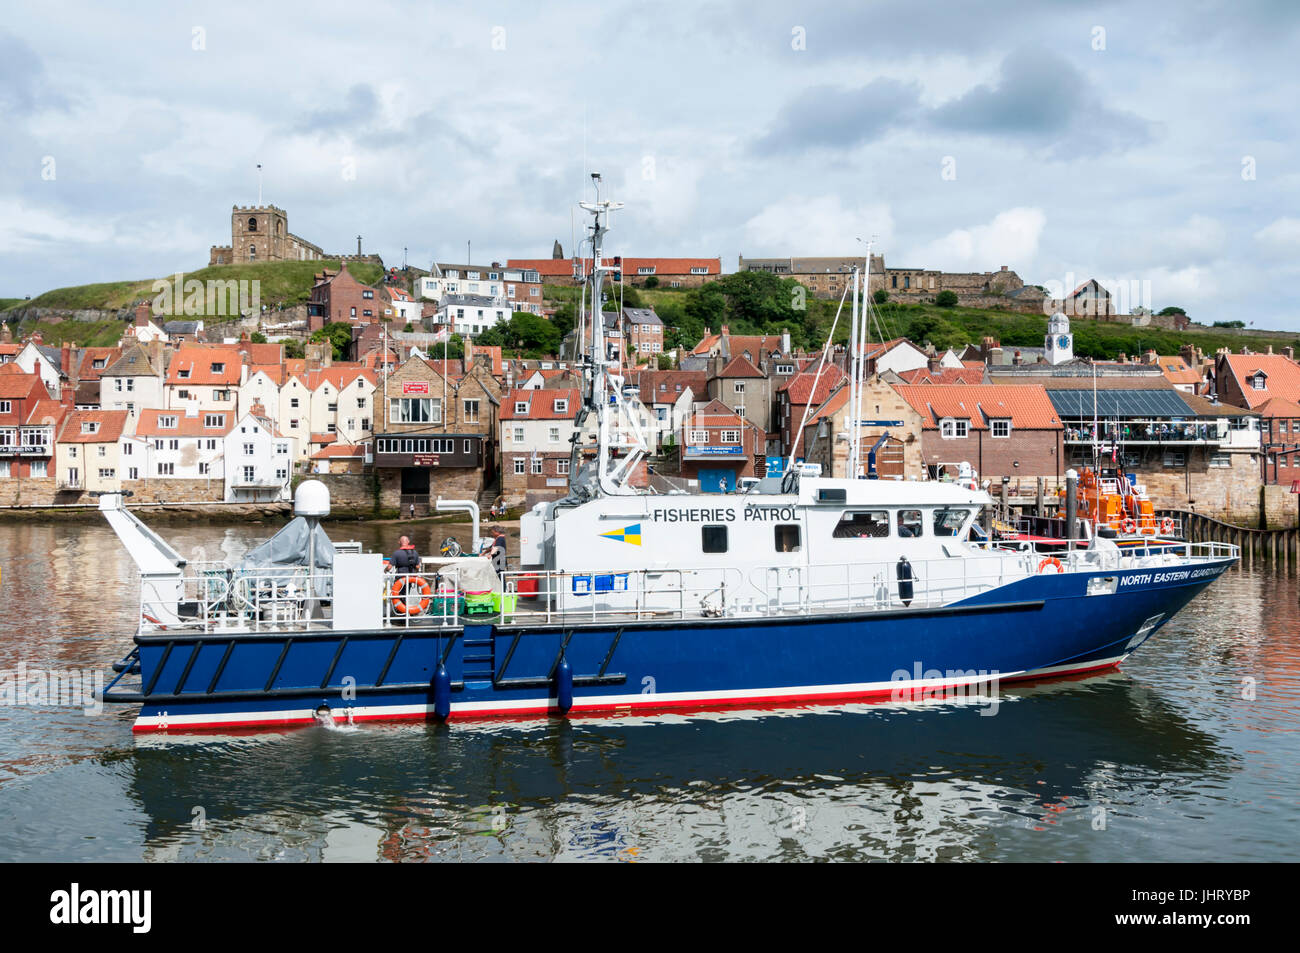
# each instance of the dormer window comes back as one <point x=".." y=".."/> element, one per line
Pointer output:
<point x="521" y="407"/>
<point x="953" y="429"/>
<point x="214" y="420"/>
<point x="1000" y="427"/>
<point x="562" y="406"/>
<point x="1259" y="381"/>
<point x="183" y="373"/>
<point x="218" y="368"/>
<point x="89" y="426"/>
<point x="166" y="422"/>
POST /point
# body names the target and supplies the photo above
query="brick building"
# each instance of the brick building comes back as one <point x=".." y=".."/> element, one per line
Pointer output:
<point x="719" y="448"/>
<point x="1001" y="431"/>
<point x="26" y="439"/>
<point x="643" y="330"/>
<point x="338" y="297"/>
<point x="668" y="272"/>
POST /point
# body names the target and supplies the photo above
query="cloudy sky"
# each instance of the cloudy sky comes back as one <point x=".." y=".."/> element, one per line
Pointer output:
<point x="1131" y="142"/>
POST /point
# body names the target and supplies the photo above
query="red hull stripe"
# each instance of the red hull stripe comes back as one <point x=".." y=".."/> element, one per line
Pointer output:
<point x="652" y="705"/>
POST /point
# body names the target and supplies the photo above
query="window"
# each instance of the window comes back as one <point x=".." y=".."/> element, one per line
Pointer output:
<point x="1001" y="428"/>
<point x="1175" y="458"/>
<point x="697" y="270"/>
<point x="697" y="436"/>
<point x="553" y="435"/>
<point x="738" y="387"/>
<point x="1220" y="460"/>
<point x="6" y="407"/>
<point x="519" y="465"/>
<point x="203" y="469"/>
<point x="282" y="474"/>
<point x="221" y="395"/>
<point x="132" y="473"/>
<point x="869" y="524"/>
<point x="909" y="523"/>
<point x="950" y="429"/>
<point x="249" y="450"/>
<point x="89" y="426"/>
<point x="173" y="444"/>
<point x="713" y="539"/>
<point x="166" y="422"/>
<point x="249" y="474"/>
<point x="214" y="420"/>
<point x="40" y="468"/>
<point x="562" y="466"/>
<point x="787" y="537"/>
<point x="107" y="473"/>
<point x="785" y="368"/>
<point x="469" y="446"/>
<point x="535" y="466"/>
<point x="650" y="270"/>
<point x="949" y="521"/>
<point x="293" y="403"/>
<point x="218" y="368"/>
<point x="282" y="448"/>
<point x="518" y="435"/>
<point x="4" y="469"/>
<point x="166" y="469"/>
<point x="101" y="451"/>
<point x="183" y="394"/>
<point x="521" y="407"/>
<point x="415" y="410"/>
<point x="1258" y="381"/>
<point x="127" y="449"/>
<point x="731" y="436"/>
<point x="293" y="424"/>
<point x="471" y="411"/>
<point x="72" y="452"/>
<point x="561" y="406"/>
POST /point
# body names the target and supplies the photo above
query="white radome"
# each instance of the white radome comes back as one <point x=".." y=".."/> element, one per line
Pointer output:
<point x="312" y="498"/>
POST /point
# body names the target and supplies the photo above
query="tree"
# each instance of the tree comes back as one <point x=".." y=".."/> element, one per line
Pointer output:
<point x="946" y="299"/>
<point x="294" y="350"/>
<point x="339" y="334"/>
<point x="652" y="282"/>
<point x="881" y="296"/>
<point x="665" y="362"/>
<point x="257" y="337"/>
<point x="1172" y="309"/>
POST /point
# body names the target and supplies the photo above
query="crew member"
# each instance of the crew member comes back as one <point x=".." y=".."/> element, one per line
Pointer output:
<point x="406" y="559"/>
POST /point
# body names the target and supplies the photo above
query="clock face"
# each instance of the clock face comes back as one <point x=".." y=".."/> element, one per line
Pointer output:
<point x="1063" y="341"/>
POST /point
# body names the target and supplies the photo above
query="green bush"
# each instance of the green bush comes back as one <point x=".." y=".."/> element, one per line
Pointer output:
<point x="946" y="299"/>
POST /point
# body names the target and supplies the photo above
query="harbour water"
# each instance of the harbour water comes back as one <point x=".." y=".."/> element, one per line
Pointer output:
<point x="1191" y="753"/>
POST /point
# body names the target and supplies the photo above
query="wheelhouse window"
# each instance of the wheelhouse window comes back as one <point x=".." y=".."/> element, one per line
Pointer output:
<point x="909" y="523"/>
<point x="787" y="537"/>
<point x="866" y="524"/>
<point x="949" y="521"/>
<point x="713" y="539"/>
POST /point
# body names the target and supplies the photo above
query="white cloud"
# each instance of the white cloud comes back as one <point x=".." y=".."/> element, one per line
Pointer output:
<point x="30" y="228"/>
<point x="1280" y="237"/>
<point x="1011" y="239"/>
<point x="820" y="225"/>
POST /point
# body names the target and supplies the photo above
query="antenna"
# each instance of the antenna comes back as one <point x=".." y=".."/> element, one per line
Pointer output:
<point x="259" y="183"/>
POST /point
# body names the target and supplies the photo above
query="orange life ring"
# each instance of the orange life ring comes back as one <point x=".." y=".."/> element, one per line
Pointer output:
<point x="399" y="587"/>
<point x="1128" y="526"/>
<point x="1051" y="561"/>
<point x="1166" y="525"/>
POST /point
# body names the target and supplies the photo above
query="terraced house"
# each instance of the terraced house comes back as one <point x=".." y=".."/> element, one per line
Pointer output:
<point x="87" y="452"/>
<point x="537" y="429"/>
<point x="207" y="376"/>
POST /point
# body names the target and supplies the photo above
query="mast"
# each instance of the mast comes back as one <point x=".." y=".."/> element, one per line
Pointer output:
<point x="853" y="363"/>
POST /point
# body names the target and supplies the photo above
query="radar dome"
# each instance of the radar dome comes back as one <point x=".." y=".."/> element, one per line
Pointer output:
<point x="312" y="498"/>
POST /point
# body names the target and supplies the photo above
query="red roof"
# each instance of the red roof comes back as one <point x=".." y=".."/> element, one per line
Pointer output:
<point x="541" y="404"/>
<point x="799" y="389"/>
<point x="105" y="356"/>
<point x="1278" y="407"/>
<point x="1281" y="377"/>
<point x="336" y="450"/>
<point x="944" y="375"/>
<point x="739" y="367"/>
<point x="563" y="267"/>
<point x="1027" y="405"/>
<point x="18" y="385"/>
<point x="665" y="387"/>
<point x="186" y="426"/>
<point x="194" y="364"/>
<point x="44" y="412"/>
<point x="108" y="426"/>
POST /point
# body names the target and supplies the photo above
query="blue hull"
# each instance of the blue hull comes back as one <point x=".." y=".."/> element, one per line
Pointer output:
<point x="1044" y="626"/>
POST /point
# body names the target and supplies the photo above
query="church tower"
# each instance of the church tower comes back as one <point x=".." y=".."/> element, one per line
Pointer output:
<point x="1059" y="343"/>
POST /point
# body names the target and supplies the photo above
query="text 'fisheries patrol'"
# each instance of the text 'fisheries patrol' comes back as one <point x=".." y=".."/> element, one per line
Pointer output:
<point x="722" y="514"/>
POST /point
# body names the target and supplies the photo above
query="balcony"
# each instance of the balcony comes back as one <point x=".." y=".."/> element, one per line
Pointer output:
<point x="256" y="483"/>
<point x="71" y="484"/>
<point x="1152" y="435"/>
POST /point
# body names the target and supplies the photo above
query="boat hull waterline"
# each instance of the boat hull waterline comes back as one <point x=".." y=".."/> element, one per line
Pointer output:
<point x="1045" y="626"/>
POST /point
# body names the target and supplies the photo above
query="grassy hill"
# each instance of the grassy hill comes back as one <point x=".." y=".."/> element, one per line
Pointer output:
<point x="764" y="306"/>
<point x="281" y="282"/>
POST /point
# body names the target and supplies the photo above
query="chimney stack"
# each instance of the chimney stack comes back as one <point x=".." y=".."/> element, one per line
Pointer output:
<point x="1289" y="352"/>
<point x="65" y="358"/>
<point x="142" y="314"/>
<point x="68" y="396"/>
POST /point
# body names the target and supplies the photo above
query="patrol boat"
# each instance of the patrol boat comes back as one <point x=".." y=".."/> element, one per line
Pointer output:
<point x="804" y="589"/>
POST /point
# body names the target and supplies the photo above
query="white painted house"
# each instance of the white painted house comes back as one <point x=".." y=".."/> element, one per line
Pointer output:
<point x="258" y="460"/>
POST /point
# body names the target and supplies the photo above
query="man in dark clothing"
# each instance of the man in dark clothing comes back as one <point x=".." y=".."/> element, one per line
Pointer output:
<point x="406" y="559"/>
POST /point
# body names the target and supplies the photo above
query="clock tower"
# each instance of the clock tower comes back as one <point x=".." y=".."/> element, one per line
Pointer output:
<point x="1059" y="343"/>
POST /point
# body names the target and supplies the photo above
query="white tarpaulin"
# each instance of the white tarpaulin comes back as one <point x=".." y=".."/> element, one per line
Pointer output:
<point x="473" y="573"/>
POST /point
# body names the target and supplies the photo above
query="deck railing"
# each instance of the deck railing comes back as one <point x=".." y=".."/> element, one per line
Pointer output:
<point x="224" y="599"/>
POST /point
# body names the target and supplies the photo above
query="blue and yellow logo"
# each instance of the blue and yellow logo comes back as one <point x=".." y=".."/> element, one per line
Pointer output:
<point x="628" y="534"/>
